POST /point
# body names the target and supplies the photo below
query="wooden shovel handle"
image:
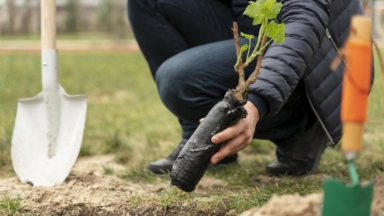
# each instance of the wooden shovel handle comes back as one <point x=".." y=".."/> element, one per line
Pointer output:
<point x="48" y="24"/>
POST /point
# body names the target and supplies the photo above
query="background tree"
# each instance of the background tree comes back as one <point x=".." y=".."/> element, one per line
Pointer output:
<point x="11" y="16"/>
<point x="73" y="20"/>
<point x="27" y="16"/>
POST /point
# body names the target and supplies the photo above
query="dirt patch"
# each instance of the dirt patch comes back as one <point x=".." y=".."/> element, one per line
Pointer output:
<point x="378" y="199"/>
<point x="290" y="205"/>
<point x="87" y="191"/>
<point x="310" y="205"/>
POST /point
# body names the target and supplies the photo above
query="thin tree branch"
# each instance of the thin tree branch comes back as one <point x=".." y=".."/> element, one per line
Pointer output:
<point x="239" y="67"/>
<point x="236" y="37"/>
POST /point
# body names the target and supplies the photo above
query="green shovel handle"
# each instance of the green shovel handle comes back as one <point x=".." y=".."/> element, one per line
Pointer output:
<point x="353" y="172"/>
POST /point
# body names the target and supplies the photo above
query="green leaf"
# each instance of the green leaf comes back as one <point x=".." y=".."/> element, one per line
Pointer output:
<point x="275" y="10"/>
<point x="248" y="36"/>
<point x="276" y="31"/>
<point x="253" y="10"/>
<point x="244" y="47"/>
<point x="262" y="9"/>
<point x="262" y="2"/>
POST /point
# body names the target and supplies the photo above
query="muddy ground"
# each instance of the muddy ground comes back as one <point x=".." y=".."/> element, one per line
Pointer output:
<point x="88" y="192"/>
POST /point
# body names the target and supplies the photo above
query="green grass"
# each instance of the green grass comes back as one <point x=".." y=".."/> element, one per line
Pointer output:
<point x="125" y="117"/>
<point x="10" y="205"/>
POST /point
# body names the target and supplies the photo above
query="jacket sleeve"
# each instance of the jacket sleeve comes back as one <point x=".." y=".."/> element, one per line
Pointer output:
<point x="284" y="64"/>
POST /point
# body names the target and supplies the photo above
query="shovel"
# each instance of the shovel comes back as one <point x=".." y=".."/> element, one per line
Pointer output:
<point x="49" y="127"/>
<point x="353" y="199"/>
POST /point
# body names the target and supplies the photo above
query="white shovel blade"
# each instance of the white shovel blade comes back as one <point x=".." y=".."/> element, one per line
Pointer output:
<point x="30" y="143"/>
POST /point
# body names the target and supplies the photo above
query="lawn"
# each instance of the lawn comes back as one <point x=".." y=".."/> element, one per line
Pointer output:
<point x="126" y="118"/>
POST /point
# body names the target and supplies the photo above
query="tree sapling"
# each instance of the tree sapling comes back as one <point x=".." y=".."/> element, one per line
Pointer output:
<point x="194" y="158"/>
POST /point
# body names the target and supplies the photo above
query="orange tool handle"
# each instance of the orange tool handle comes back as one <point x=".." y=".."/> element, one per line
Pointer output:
<point x="356" y="83"/>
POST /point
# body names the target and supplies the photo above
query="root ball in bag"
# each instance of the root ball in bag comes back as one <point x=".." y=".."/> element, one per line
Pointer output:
<point x="194" y="158"/>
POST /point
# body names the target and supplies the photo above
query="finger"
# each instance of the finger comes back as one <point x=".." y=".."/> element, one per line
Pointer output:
<point x="201" y="120"/>
<point x="228" y="133"/>
<point x="231" y="147"/>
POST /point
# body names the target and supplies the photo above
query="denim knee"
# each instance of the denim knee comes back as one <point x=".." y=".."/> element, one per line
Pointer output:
<point x="176" y="87"/>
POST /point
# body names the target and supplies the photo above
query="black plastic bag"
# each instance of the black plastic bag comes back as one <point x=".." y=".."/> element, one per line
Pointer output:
<point x="194" y="158"/>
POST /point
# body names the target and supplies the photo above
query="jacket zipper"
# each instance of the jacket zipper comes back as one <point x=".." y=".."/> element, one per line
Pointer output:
<point x="332" y="142"/>
<point x="329" y="36"/>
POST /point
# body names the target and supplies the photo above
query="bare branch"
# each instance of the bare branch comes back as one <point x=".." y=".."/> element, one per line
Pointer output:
<point x="236" y="37"/>
<point x="239" y="67"/>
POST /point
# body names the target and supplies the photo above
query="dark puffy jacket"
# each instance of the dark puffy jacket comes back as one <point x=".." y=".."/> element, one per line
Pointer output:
<point x="306" y="53"/>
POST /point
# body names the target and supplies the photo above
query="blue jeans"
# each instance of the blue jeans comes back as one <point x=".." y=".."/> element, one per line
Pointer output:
<point x="190" y="50"/>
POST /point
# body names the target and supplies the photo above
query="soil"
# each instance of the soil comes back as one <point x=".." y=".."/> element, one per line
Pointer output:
<point x="87" y="191"/>
<point x="310" y="205"/>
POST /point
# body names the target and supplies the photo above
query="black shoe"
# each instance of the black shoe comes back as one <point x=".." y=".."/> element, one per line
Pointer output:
<point x="164" y="165"/>
<point x="303" y="156"/>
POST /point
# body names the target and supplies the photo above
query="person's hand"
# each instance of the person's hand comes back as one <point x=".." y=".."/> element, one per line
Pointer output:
<point x="237" y="136"/>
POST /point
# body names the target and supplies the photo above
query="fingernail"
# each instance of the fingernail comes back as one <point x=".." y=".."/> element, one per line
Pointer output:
<point x="215" y="139"/>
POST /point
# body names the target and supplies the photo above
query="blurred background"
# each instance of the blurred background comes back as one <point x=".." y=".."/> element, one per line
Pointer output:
<point x="73" y="16"/>
<point x="96" y="24"/>
<point x="375" y="10"/>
